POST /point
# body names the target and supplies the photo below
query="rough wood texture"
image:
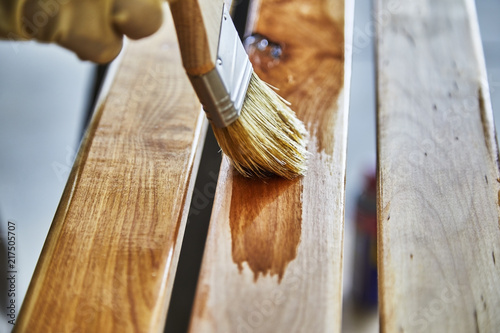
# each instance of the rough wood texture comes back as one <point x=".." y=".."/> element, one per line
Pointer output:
<point x="439" y="232"/>
<point x="273" y="259"/>
<point x="109" y="261"/>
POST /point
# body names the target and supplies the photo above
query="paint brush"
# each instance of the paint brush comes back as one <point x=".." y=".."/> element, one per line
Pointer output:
<point x="253" y="125"/>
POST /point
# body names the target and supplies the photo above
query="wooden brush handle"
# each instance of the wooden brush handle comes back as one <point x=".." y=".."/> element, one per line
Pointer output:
<point x="197" y="23"/>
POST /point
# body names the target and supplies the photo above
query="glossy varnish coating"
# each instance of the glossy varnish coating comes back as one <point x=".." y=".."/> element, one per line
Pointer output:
<point x="273" y="259"/>
<point x="110" y="258"/>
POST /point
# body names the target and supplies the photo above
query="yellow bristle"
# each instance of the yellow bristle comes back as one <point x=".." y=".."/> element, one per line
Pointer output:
<point x="267" y="138"/>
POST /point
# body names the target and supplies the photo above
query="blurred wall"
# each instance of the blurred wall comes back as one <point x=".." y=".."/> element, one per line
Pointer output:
<point x="44" y="95"/>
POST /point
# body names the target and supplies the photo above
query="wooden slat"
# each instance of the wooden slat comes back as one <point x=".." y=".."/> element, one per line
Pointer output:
<point x="109" y="261"/>
<point x="273" y="259"/>
<point x="438" y="196"/>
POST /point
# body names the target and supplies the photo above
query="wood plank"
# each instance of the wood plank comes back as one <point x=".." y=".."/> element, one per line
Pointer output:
<point x="438" y="195"/>
<point x="273" y="259"/>
<point x="109" y="261"/>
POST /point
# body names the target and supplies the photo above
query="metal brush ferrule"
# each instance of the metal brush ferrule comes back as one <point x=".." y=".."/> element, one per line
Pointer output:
<point x="222" y="91"/>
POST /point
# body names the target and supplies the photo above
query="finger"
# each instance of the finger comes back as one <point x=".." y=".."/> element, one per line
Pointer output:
<point x="84" y="27"/>
<point x="96" y="50"/>
<point x="87" y="30"/>
<point x="137" y="18"/>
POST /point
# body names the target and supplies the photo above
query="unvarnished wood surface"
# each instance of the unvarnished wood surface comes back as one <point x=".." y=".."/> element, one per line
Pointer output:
<point x="273" y="259"/>
<point x="109" y="262"/>
<point x="439" y="232"/>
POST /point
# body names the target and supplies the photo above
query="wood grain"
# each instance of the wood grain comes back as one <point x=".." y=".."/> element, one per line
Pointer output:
<point x="273" y="259"/>
<point x="439" y="232"/>
<point x="110" y="258"/>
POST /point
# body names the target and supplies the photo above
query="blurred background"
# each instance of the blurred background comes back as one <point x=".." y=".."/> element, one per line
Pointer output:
<point x="46" y="97"/>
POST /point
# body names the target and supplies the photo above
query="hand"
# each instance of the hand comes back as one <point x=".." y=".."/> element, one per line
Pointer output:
<point x="93" y="29"/>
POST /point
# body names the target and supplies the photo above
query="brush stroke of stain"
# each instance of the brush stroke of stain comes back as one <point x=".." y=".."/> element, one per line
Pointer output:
<point x="309" y="69"/>
<point x="265" y="229"/>
<point x="306" y="64"/>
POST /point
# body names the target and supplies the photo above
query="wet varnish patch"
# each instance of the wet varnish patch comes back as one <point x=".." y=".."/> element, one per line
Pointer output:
<point x="265" y="231"/>
<point x="304" y="59"/>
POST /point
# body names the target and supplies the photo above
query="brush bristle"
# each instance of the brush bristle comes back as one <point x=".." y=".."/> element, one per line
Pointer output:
<point x="267" y="138"/>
